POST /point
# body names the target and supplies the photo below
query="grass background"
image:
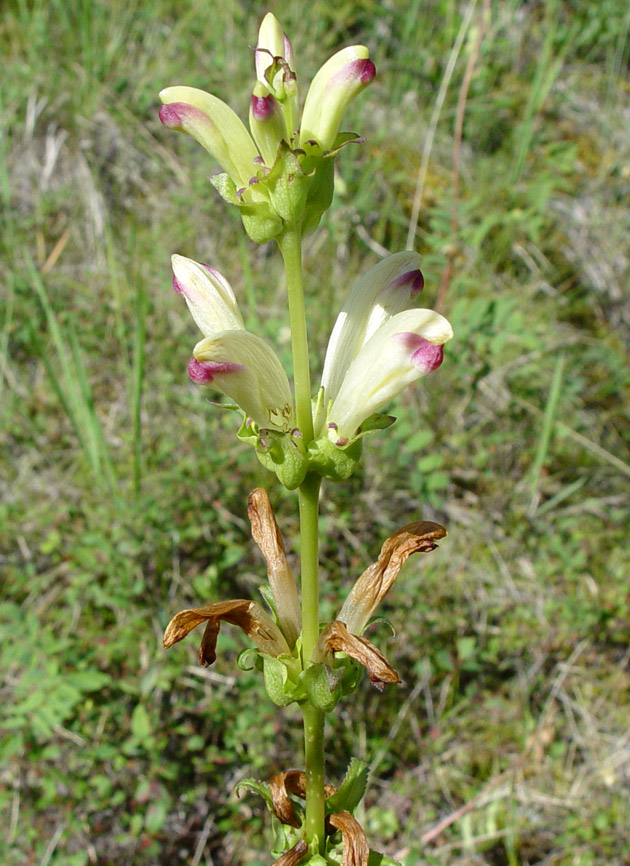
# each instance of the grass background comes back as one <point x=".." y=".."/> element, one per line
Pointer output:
<point x="123" y="492"/>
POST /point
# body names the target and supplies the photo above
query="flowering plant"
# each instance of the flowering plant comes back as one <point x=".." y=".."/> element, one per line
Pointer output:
<point x="280" y="176"/>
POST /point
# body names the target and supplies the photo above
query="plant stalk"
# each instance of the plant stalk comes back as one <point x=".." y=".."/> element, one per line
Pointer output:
<point x="290" y="244"/>
<point x="308" y="498"/>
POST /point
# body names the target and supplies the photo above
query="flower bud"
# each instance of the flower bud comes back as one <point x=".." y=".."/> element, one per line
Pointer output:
<point x="338" y="81"/>
<point x="272" y="42"/>
<point x="208" y="294"/>
<point x="266" y="122"/>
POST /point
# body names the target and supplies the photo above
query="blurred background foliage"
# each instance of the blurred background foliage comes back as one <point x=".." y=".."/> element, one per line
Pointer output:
<point x="124" y="492"/>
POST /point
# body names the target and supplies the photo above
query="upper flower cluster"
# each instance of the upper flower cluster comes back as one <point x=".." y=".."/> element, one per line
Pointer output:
<point x="282" y="173"/>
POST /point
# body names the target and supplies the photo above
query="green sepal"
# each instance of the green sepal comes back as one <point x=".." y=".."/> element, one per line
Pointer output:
<point x="243" y="660"/>
<point x="281" y="456"/>
<point x="352" y="676"/>
<point x="259" y="226"/>
<point x="331" y="462"/>
<point x="377" y="859"/>
<point x="322" y="686"/>
<point x="288" y="185"/>
<point x="320" y="194"/>
<point x="267" y="594"/>
<point x="284" y="837"/>
<point x="344" y="138"/>
<point x="337" y="463"/>
<point x="256" y="787"/>
<point x="372" y="424"/>
<point x="276" y="676"/>
<point x="278" y="452"/>
<point x="260" y="220"/>
<point x="351" y="790"/>
<point x="279" y="684"/>
<point x="226" y="187"/>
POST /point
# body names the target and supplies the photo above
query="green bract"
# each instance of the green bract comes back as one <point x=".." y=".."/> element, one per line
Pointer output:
<point x="285" y="455"/>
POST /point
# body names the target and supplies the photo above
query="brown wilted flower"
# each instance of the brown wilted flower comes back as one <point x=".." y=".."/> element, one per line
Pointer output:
<point x="267" y="535"/>
<point x="355" y="847"/>
<point x="247" y="615"/>
<point x="293" y="856"/>
<point x="272" y="639"/>
<point x="344" y="634"/>
<point x="337" y="638"/>
<point x="376" y="581"/>
<point x="356" y="850"/>
<point x="290" y="782"/>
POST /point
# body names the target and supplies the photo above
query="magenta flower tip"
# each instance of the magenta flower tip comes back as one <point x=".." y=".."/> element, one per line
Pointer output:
<point x="170" y="115"/>
<point x="203" y="372"/>
<point x="428" y="356"/>
<point x="413" y="280"/>
<point x="425" y="356"/>
<point x="177" y="286"/>
<point x="199" y="372"/>
<point x="263" y="107"/>
<point x="367" y="72"/>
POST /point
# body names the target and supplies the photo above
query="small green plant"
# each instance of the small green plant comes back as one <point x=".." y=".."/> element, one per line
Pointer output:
<point x="281" y="179"/>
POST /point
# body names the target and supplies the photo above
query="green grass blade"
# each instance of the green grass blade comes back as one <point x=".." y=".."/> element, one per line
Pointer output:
<point x="546" y="431"/>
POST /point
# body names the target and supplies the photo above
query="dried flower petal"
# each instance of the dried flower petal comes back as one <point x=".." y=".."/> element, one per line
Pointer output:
<point x="247" y="615"/>
<point x="356" y="850"/>
<point x="282" y="805"/>
<point x="290" y="782"/>
<point x="375" y="582"/>
<point x="267" y="535"/>
<point x="337" y="638"/>
<point x="293" y="856"/>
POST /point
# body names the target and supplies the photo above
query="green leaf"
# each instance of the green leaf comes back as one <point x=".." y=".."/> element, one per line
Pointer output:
<point x="140" y="723"/>
<point x="352" y="788"/>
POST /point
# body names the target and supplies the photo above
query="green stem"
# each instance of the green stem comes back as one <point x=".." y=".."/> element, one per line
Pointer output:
<point x="290" y="244"/>
<point x="308" y="496"/>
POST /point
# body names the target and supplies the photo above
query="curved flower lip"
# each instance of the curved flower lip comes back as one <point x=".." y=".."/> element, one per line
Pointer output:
<point x="389" y="287"/>
<point x="208" y="294"/>
<point x="387" y="363"/>
<point x="214" y="125"/>
<point x="334" y="86"/>
<point x="246" y="368"/>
